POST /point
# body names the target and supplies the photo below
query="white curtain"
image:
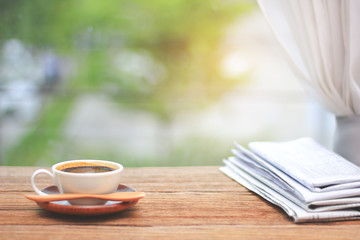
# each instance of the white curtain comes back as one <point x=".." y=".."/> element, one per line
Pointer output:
<point x="322" y="40"/>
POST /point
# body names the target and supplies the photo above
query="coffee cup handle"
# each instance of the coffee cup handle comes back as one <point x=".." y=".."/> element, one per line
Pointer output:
<point x="39" y="171"/>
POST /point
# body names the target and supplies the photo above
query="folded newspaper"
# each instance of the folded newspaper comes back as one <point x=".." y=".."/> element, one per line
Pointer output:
<point x="309" y="182"/>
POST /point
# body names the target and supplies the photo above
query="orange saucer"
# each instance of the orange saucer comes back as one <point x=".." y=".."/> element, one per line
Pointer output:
<point x="64" y="207"/>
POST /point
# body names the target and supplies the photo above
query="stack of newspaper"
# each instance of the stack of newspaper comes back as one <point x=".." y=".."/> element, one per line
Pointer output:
<point x="309" y="182"/>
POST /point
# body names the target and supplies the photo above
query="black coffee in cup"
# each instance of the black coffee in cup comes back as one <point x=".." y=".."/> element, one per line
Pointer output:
<point x="88" y="169"/>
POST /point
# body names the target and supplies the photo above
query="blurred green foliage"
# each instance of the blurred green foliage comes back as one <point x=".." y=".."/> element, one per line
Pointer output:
<point x="161" y="56"/>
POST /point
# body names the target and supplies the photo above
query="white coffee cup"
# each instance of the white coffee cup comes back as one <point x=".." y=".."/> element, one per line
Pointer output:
<point x="92" y="183"/>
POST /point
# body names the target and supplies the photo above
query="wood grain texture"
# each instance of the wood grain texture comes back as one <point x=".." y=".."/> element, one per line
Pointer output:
<point x="180" y="203"/>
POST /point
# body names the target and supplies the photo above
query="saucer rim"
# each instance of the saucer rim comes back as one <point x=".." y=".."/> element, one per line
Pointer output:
<point x="86" y="210"/>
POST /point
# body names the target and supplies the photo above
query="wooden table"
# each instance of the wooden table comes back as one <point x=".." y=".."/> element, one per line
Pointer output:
<point x="181" y="203"/>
